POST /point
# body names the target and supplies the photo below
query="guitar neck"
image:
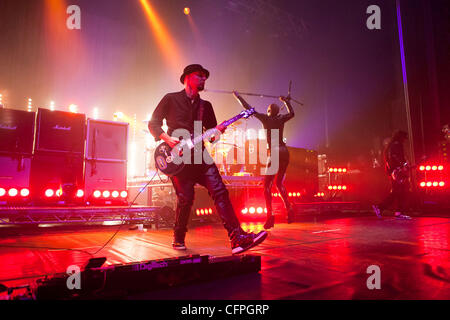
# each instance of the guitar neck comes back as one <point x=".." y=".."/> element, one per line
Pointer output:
<point x="214" y="131"/>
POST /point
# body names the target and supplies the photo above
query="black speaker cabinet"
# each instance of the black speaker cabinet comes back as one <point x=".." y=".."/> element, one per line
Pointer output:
<point x="106" y="140"/>
<point x="60" y="132"/>
<point x="15" y="174"/>
<point x="16" y="131"/>
<point x="302" y="175"/>
<point x="57" y="172"/>
<point x="104" y="176"/>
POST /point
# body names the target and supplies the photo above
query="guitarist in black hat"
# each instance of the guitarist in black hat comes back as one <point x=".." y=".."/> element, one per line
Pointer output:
<point x="181" y="109"/>
<point x="396" y="167"/>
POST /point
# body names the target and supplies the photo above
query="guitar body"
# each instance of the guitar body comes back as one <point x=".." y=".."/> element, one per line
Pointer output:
<point x="167" y="159"/>
<point x="164" y="160"/>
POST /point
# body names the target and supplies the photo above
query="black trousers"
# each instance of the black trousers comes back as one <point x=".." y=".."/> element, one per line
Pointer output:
<point x="209" y="177"/>
<point x="397" y="198"/>
<point x="280" y="176"/>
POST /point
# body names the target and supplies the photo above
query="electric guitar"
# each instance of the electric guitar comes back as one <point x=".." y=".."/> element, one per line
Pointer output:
<point x="168" y="160"/>
<point x="401" y="174"/>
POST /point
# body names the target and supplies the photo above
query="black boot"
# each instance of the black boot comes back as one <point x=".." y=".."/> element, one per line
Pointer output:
<point x="291" y="216"/>
<point x="270" y="222"/>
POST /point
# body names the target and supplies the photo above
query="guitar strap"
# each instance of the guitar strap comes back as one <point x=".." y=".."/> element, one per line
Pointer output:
<point x="201" y="110"/>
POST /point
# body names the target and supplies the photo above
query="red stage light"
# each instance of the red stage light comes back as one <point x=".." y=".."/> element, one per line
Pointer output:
<point x="124" y="194"/>
<point x="428" y="168"/>
<point x="49" y="193"/>
<point x="210" y="211"/>
<point x="252" y="210"/>
<point x="429" y="184"/>
<point x="423" y="184"/>
<point x="13" y="192"/>
<point x="330" y="187"/>
<point x="24" y="192"/>
<point x="259" y="210"/>
<point x="115" y="194"/>
<point x="197" y="212"/>
<point x="80" y="193"/>
<point x="202" y="212"/>
<point x="97" y="194"/>
<point x="106" y="194"/>
<point x="422" y="168"/>
<point x="434" y="168"/>
<point x="2" y="192"/>
<point x="344" y="188"/>
<point x="441" y="184"/>
<point x="440" y="168"/>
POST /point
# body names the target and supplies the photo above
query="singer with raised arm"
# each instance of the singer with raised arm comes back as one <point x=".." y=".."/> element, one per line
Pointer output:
<point x="271" y="121"/>
<point x="181" y="109"/>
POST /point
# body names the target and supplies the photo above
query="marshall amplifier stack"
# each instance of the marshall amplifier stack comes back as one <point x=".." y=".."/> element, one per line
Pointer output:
<point x="16" y="148"/>
<point x="57" y="166"/>
<point x="106" y="162"/>
<point x="61" y="158"/>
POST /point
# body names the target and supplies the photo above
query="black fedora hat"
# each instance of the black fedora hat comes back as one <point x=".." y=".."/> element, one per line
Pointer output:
<point x="191" y="69"/>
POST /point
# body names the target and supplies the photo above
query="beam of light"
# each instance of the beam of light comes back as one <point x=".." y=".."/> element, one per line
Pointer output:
<point x="195" y="31"/>
<point x="163" y="37"/>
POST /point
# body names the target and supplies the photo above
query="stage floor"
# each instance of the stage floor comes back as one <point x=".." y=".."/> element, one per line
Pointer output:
<point x="304" y="260"/>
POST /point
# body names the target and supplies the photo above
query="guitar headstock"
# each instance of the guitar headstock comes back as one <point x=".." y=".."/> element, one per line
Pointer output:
<point x="248" y="113"/>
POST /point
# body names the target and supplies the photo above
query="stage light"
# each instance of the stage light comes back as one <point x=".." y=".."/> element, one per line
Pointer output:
<point x="197" y="212"/>
<point x="344" y="170"/>
<point x="344" y="188"/>
<point x="440" y="168"/>
<point x="52" y="106"/>
<point x="202" y="212"/>
<point x="330" y="187"/>
<point x="428" y="168"/>
<point x="339" y="170"/>
<point x="30" y="104"/>
<point x="259" y="210"/>
<point x="244" y="211"/>
<point x="124" y="194"/>
<point x="429" y="184"/>
<point x="290" y="194"/>
<point x="80" y="193"/>
<point x="115" y="194"/>
<point x="441" y="184"/>
<point x="298" y="194"/>
<point x="435" y="184"/>
<point x="334" y="187"/>
<point x="49" y="193"/>
<point x="2" y="192"/>
<point x="97" y="194"/>
<point x="24" y="192"/>
<point x="252" y="210"/>
<point x="434" y="168"/>
<point x="339" y="187"/>
<point x="106" y="194"/>
<point x="59" y="193"/>
<point x="95" y="113"/>
<point x="13" y="192"/>
<point x="422" y="168"/>
<point x="187" y="11"/>
<point x="73" y="108"/>
<point x="210" y="211"/>
<point x="423" y="184"/>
